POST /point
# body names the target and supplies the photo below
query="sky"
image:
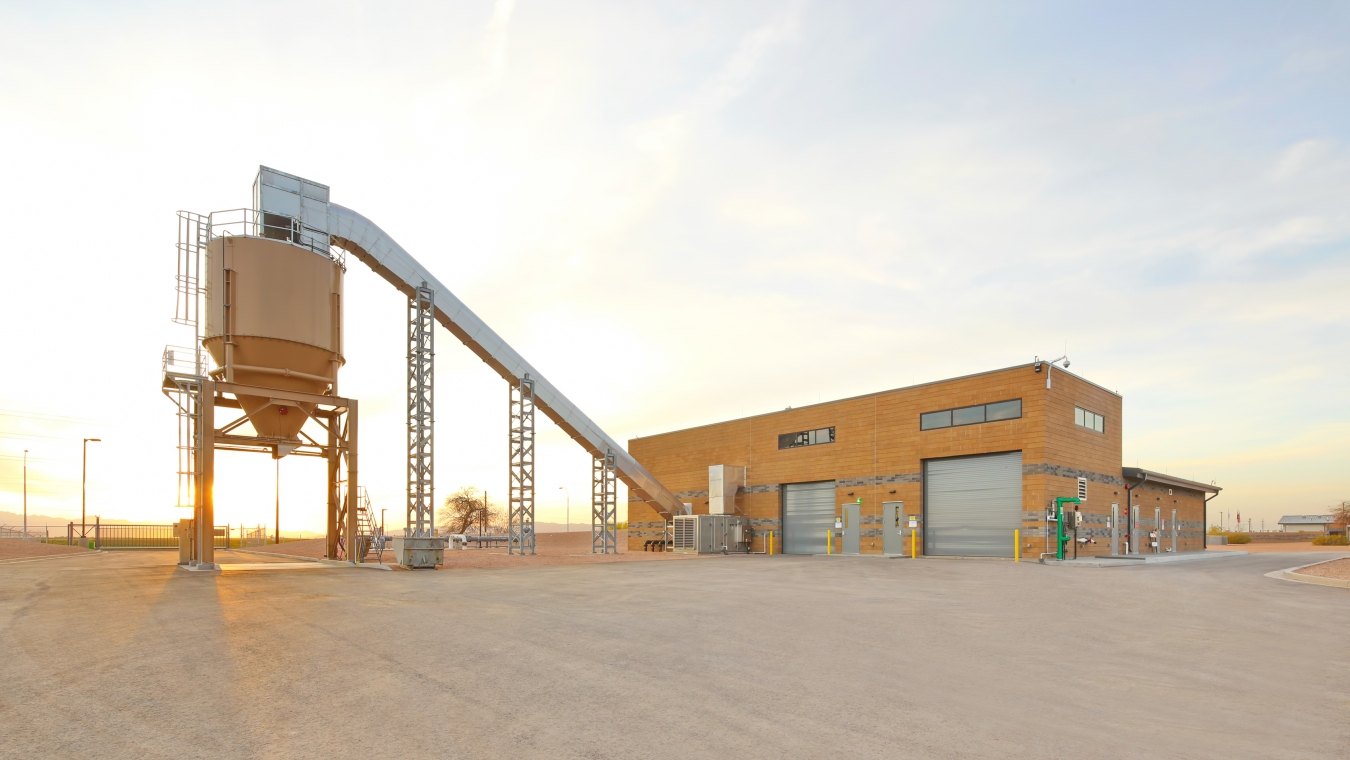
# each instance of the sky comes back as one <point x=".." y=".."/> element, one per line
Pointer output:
<point x="682" y="213"/>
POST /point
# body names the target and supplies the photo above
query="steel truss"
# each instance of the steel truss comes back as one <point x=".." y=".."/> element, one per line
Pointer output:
<point x="520" y="512"/>
<point x="604" y="505"/>
<point x="421" y="516"/>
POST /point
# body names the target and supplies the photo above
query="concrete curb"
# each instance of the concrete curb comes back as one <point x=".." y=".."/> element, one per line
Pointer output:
<point x="1141" y="561"/>
<point x="1292" y="574"/>
<point x="329" y="562"/>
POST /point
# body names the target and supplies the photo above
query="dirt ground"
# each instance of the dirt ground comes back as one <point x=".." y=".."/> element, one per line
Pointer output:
<point x="1336" y="568"/>
<point x="575" y="549"/>
<point x="14" y="549"/>
<point x="551" y="549"/>
<point x="1280" y="548"/>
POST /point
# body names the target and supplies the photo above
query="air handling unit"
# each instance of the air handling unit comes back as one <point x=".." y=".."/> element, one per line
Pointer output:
<point x="710" y="534"/>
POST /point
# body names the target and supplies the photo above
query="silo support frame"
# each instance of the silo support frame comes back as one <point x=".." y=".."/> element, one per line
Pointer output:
<point x="338" y="416"/>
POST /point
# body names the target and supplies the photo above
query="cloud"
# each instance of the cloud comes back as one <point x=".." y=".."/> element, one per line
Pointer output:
<point x="1302" y="157"/>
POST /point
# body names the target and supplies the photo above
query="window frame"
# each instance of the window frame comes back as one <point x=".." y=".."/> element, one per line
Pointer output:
<point x="1089" y="420"/>
<point x="925" y="417"/>
<point x="803" y="438"/>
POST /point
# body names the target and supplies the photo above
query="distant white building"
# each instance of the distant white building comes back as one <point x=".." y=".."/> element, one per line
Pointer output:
<point x="1306" y="523"/>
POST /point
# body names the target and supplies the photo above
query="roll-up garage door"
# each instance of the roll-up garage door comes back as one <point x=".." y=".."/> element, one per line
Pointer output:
<point x="972" y="505"/>
<point x="808" y="512"/>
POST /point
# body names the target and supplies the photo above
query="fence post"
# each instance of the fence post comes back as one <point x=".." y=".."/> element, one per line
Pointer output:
<point x="70" y="533"/>
<point x="98" y="533"/>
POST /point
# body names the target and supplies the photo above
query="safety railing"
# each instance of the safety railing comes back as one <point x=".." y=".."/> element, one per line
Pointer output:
<point x="254" y="223"/>
<point x="122" y="536"/>
<point x="184" y="360"/>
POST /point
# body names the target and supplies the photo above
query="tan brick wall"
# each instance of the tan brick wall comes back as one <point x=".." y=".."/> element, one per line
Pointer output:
<point x="879" y="451"/>
<point x="1190" y="507"/>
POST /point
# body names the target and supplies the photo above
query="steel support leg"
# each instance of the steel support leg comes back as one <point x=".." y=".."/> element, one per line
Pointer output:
<point x="604" y="509"/>
<point x="347" y="452"/>
<point x="334" y="515"/>
<point x="421" y="404"/>
<point x="206" y="478"/>
<point x="419" y="544"/>
<point x="520" y="515"/>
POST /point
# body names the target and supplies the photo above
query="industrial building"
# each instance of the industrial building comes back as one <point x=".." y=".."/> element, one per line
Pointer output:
<point x="971" y="466"/>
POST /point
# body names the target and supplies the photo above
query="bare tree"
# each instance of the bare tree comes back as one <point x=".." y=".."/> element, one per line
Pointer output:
<point x="1340" y="515"/>
<point x="466" y="511"/>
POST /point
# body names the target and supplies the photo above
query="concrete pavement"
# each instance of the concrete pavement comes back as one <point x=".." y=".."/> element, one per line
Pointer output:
<point x="123" y="655"/>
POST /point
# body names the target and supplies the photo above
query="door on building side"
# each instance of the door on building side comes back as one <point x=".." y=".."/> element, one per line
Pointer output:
<point x="893" y="527"/>
<point x="808" y="514"/>
<point x="972" y="505"/>
<point x="852" y="538"/>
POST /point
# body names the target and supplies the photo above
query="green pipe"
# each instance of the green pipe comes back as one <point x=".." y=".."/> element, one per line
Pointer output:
<point x="1063" y="535"/>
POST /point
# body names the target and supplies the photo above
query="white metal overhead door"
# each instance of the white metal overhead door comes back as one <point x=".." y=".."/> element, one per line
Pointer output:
<point x="808" y="512"/>
<point x="972" y="505"/>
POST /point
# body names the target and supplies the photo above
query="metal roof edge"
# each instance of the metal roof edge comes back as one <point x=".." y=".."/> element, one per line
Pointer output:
<point x="1139" y="473"/>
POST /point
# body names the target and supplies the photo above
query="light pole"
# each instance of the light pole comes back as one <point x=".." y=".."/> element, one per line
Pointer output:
<point x="276" y="537"/>
<point x="25" y="493"/>
<point x="568" y="494"/>
<point x="84" y="478"/>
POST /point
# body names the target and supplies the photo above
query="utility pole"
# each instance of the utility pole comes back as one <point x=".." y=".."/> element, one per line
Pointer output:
<point x="84" y="478"/>
<point x="25" y="493"/>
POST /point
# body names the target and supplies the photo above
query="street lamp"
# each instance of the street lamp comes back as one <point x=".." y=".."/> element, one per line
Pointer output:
<point x="84" y="478"/>
<point x="568" y="494"/>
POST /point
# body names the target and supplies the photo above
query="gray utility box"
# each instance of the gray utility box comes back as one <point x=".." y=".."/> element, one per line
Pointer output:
<point x="419" y="552"/>
<point x="710" y="534"/>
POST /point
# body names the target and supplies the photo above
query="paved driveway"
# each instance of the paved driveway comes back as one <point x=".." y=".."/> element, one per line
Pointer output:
<point x="123" y="655"/>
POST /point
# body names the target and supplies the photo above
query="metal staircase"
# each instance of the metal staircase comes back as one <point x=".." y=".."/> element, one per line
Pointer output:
<point x="369" y="535"/>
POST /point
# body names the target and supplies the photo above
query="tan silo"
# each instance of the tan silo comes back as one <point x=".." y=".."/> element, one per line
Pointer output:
<point x="273" y="320"/>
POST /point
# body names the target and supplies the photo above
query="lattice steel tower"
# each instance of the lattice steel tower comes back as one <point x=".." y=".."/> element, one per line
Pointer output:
<point x="520" y="514"/>
<point x="604" y="509"/>
<point x="421" y="393"/>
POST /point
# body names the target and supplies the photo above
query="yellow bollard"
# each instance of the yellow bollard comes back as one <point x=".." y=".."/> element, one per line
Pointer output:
<point x="829" y="543"/>
<point x="914" y="544"/>
<point x="1017" y="545"/>
<point x="770" y="543"/>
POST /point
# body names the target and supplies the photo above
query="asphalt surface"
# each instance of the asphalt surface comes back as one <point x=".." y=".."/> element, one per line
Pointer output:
<point x="122" y="655"/>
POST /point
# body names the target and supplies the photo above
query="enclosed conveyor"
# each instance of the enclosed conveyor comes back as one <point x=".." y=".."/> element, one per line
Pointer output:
<point x="363" y="239"/>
